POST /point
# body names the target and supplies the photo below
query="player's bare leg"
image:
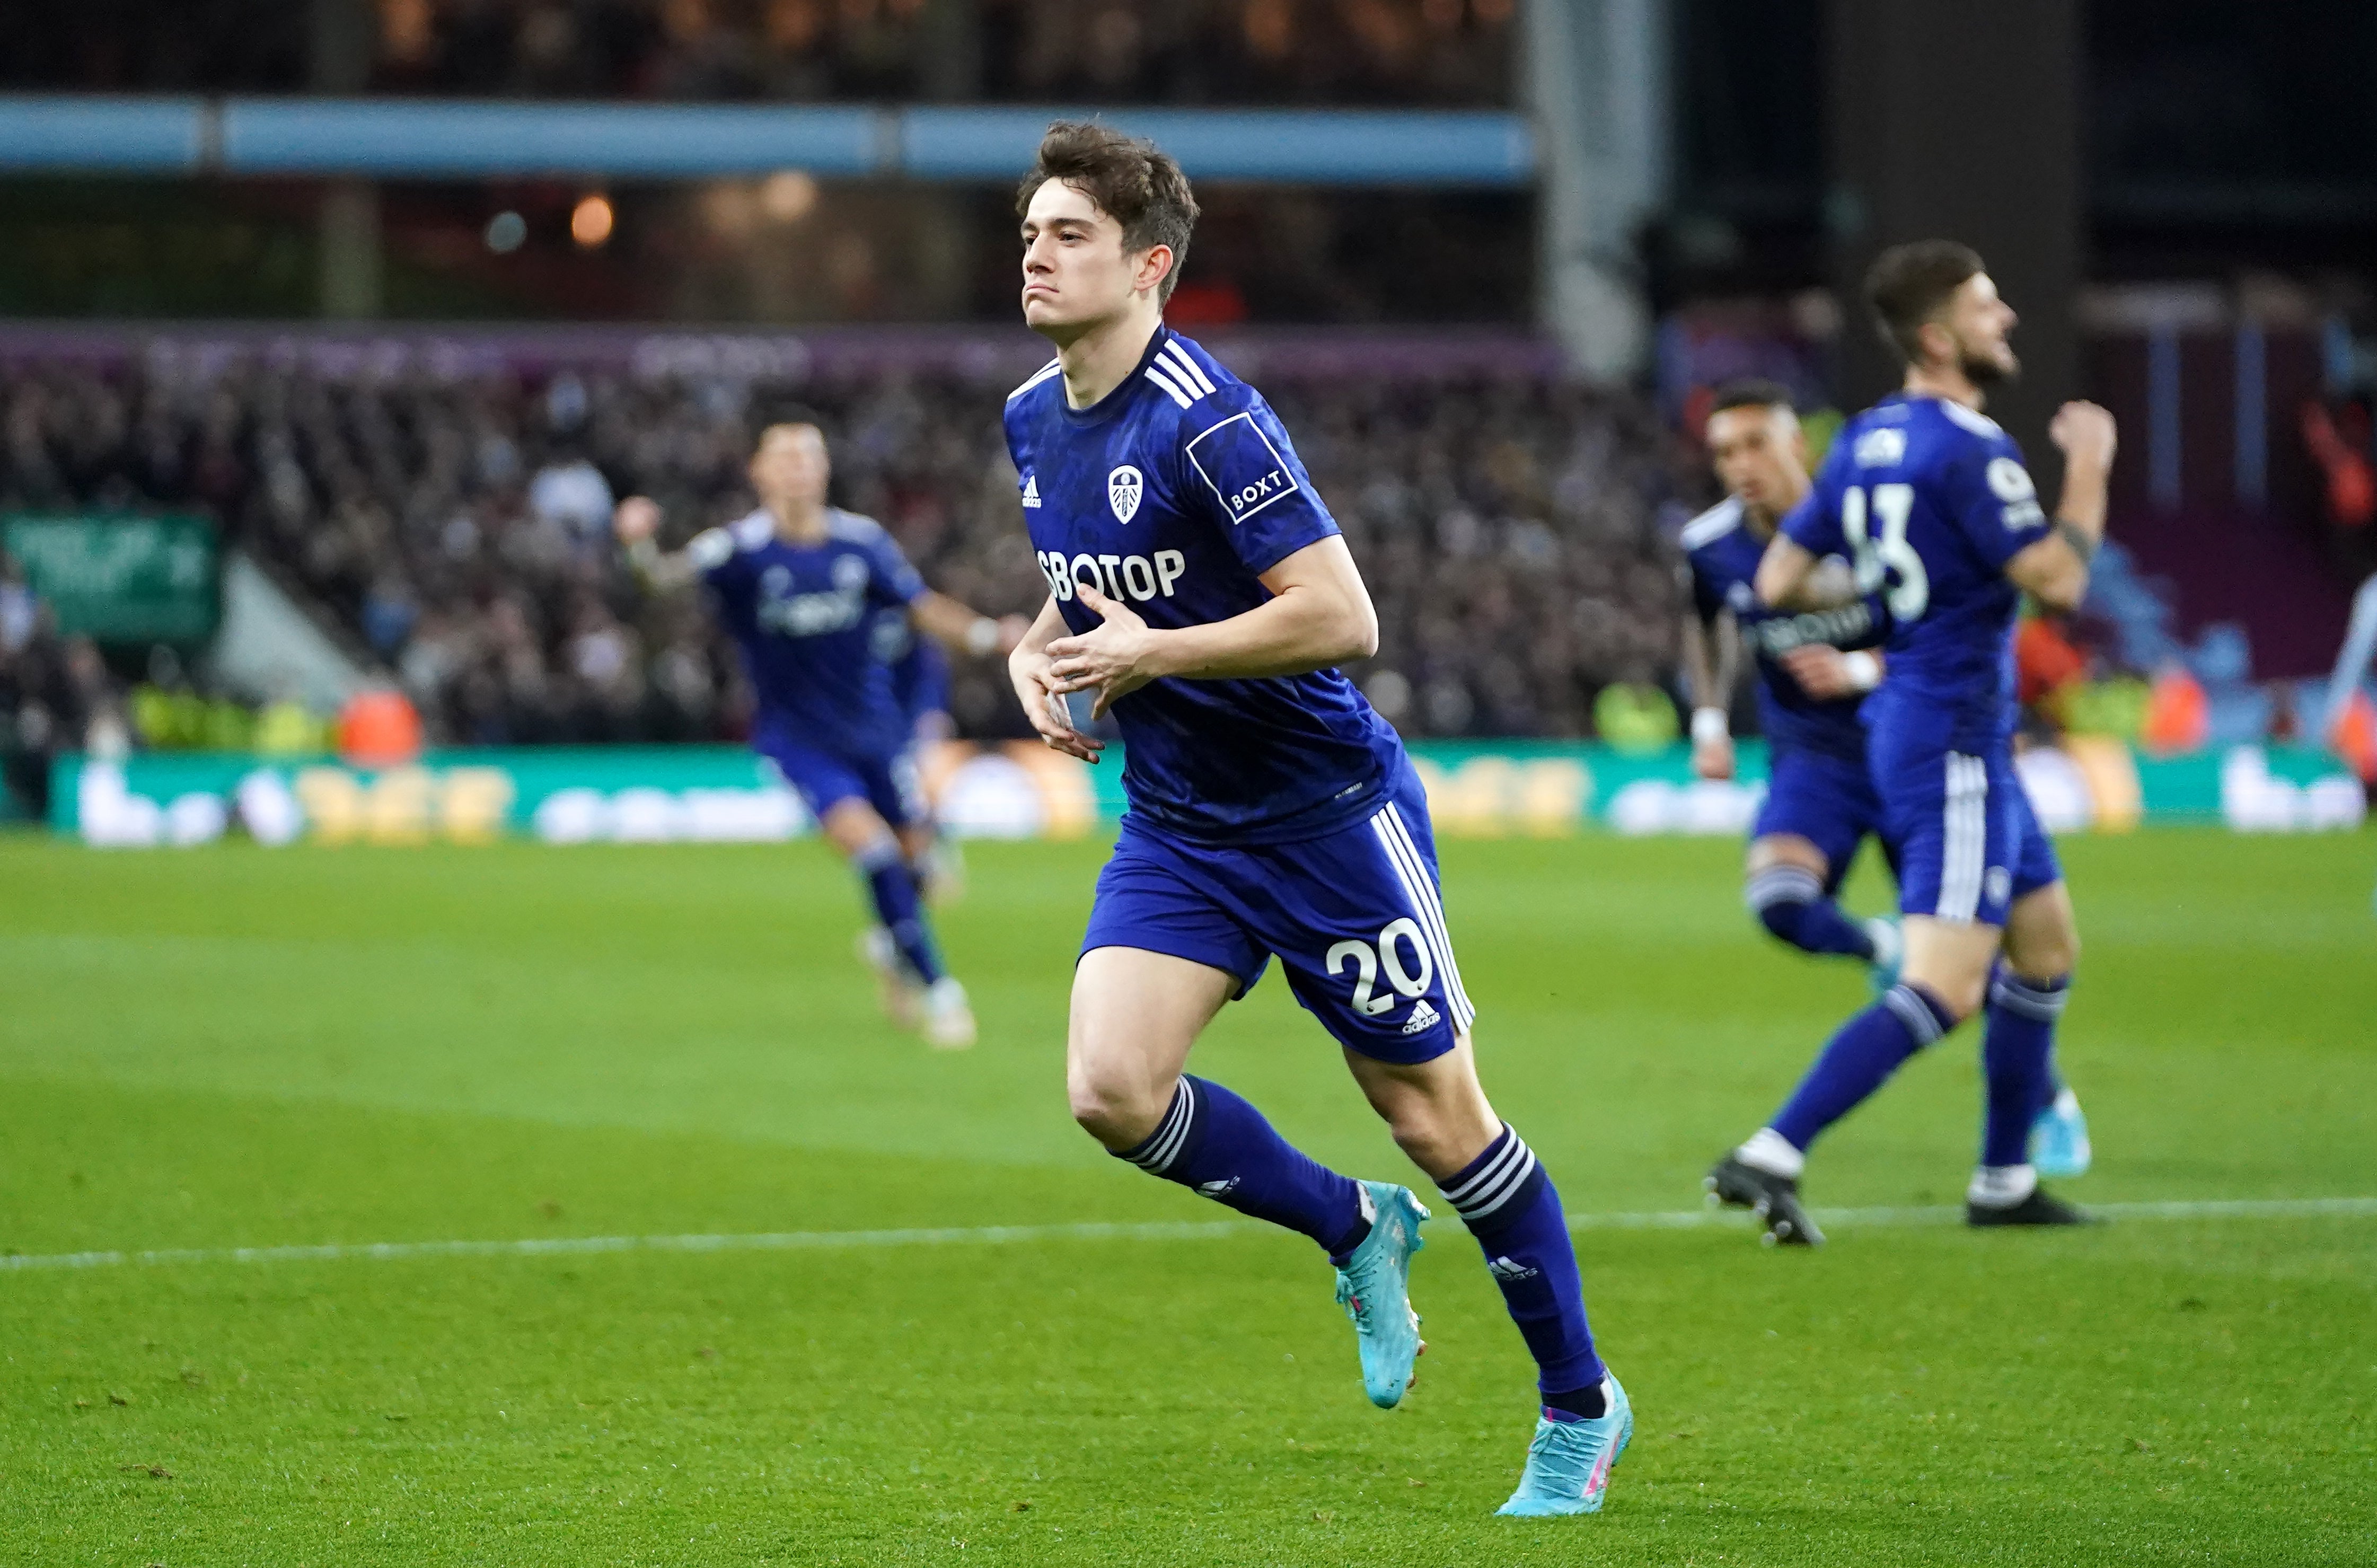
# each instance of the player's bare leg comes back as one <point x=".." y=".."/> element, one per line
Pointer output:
<point x="917" y="993"/>
<point x="1136" y="1014"/>
<point x="1786" y="882"/>
<point x="1441" y="1118"/>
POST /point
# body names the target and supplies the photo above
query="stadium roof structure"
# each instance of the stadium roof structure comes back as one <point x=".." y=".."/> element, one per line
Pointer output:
<point x="406" y="138"/>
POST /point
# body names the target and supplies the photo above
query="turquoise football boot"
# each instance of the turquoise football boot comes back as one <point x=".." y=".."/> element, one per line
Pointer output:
<point x="1375" y="1289"/>
<point x="2059" y="1139"/>
<point x="1889" y="954"/>
<point x="1569" y="1462"/>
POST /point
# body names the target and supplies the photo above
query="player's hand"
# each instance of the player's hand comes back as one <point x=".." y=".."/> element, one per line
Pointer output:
<point x="1822" y="671"/>
<point x="1713" y="758"/>
<point x="2085" y="432"/>
<point x="636" y="519"/>
<point x="1036" y="687"/>
<point x="1114" y="658"/>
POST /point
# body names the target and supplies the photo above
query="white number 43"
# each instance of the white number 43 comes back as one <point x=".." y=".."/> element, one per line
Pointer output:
<point x="1368" y="959"/>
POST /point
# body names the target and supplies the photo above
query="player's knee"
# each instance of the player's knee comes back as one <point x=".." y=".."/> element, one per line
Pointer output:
<point x="2052" y="955"/>
<point x="1960" y="995"/>
<point x="1114" y="1109"/>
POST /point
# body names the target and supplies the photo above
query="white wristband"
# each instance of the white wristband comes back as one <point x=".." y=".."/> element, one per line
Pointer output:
<point x="1710" y="725"/>
<point x="1864" y="671"/>
<point x="981" y="637"/>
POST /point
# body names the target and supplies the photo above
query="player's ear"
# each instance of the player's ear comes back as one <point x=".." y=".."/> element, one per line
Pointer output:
<point x="1937" y="342"/>
<point x="1154" y="265"/>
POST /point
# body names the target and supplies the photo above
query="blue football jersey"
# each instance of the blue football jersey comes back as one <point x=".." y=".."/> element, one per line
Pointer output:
<point x="803" y="616"/>
<point x="1929" y="500"/>
<point x="1173" y="494"/>
<point x="919" y="669"/>
<point x="1723" y="554"/>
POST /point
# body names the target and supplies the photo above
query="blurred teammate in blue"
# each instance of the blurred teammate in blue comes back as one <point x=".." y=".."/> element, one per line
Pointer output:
<point x="1814" y="669"/>
<point x="798" y="584"/>
<point x="1201" y="594"/>
<point x="919" y="670"/>
<point x="1930" y="499"/>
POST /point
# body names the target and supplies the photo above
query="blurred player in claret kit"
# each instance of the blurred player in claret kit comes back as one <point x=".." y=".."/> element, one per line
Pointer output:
<point x="799" y="585"/>
<point x="1931" y="499"/>
<point x="1201" y="594"/>
<point x="1820" y="804"/>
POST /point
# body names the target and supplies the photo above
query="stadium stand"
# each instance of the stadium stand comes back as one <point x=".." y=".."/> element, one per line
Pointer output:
<point x="1515" y="536"/>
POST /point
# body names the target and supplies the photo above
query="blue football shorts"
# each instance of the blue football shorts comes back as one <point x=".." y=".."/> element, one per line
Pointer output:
<point x="825" y="778"/>
<point x="1354" y="917"/>
<point x="1969" y="844"/>
<point x="1830" y="801"/>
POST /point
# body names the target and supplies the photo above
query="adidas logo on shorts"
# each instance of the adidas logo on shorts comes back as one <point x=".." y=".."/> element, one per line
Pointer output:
<point x="1423" y="1017"/>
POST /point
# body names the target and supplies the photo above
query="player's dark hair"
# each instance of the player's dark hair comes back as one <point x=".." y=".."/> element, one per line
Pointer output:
<point x="774" y="416"/>
<point x="1907" y="285"/>
<point x="1132" y="180"/>
<point x="1749" y="392"/>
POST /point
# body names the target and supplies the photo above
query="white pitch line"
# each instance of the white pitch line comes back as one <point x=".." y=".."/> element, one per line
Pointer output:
<point x="1092" y="1230"/>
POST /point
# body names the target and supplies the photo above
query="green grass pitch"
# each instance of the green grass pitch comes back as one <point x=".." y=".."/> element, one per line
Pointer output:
<point x="235" y="1047"/>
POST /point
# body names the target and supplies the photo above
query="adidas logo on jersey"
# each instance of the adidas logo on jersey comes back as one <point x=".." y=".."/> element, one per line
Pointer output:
<point x="1509" y="1269"/>
<point x="1423" y="1017"/>
<point x="1031" y="489"/>
<point x="1216" y="1189"/>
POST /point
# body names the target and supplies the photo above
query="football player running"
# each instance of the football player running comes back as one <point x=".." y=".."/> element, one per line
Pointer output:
<point x="1814" y="669"/>
<point x="795" y="583"/>
<point x="1929" y="498"/>
<point x="1202" y="595"/>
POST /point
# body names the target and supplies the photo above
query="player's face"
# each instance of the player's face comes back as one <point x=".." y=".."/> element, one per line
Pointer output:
<point x="790" y="470"/>
<point x="1075" y="269"/>
<point x="1977" y="323"/>
<point x="1758" y="453"/>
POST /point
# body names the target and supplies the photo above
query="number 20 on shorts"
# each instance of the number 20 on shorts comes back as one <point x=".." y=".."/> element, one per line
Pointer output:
<point x="1388" y="954"/>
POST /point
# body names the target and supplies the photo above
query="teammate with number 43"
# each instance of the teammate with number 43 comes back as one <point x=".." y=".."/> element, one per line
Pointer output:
<point x="1930" y="499"/>
<point x="1201" y="594"/>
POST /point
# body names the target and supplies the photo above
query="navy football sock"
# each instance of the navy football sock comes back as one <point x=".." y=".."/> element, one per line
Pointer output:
<point x="1510" y="1205"/>
<point x="1213" y="1140"/>
<point x="1789" y="901"/>
<point x="2018" y="1061"/>
<point x="1856" y="1060"/>
<point x="893" y="888"/>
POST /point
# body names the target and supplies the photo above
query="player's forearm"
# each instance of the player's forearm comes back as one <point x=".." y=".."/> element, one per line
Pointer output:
<point x="2055" y="571"/>
<point x="1700" y="674"/>
<point x="661" y="570"/>
<point x="1728" y="660"/>
<point x="1782" y="574"/>
<point x="1046" y="627"/>
<point x="2086" y="486"/>
<point x="955" y="625"/>
<point x="1299" y="632"/>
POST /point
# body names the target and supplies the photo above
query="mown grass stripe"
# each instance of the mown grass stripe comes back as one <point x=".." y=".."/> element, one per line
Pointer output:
<point x="1092" y="1230"/>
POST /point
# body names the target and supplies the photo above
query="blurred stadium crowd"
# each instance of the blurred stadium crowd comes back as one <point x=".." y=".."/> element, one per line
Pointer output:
<point x="1515" y="533"/>
<point x="1281" y="52"/>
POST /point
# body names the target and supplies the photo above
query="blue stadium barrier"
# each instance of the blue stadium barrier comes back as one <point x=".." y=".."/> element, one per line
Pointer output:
<point x="1303" y="147"/>
<point x="413" y="139"/>
<point x="399" y="138"/>
<point x="102" y="134"/>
